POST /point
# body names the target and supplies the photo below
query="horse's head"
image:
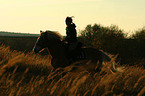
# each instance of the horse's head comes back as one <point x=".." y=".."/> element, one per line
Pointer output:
<point x="40" y="43"/>
<point x="45" y="40"/>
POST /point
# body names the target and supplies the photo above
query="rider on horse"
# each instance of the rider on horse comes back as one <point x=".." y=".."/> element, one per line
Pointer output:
<point x="73" y="46"/>
<point x="71" y="33"/>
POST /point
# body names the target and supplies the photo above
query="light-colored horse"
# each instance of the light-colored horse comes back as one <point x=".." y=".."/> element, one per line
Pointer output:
<point x="53" y="41"/>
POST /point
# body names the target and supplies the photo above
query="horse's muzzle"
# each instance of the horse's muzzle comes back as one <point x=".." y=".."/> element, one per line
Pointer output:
<point x="37" y="49"/>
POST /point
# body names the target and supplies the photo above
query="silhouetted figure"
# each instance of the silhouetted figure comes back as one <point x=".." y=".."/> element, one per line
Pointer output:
<point x="73" y="46"/>
<point x="71" y="33"/>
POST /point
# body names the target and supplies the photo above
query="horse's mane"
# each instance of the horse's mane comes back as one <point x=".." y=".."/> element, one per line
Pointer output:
<point x="53" y="35"/>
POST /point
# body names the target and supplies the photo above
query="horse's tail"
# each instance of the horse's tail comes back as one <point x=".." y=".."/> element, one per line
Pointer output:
<point x="113" y="67"/>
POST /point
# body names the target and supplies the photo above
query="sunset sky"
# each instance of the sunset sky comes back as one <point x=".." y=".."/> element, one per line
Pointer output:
<point x="30" y="16"/>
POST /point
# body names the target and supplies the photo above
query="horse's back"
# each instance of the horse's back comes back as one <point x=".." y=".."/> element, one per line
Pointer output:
<point x="92" y="53"/>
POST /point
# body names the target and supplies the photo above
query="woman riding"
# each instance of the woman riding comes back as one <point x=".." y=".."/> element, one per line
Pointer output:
<point x="71" y="33"/>
<point x="71" y="38"/>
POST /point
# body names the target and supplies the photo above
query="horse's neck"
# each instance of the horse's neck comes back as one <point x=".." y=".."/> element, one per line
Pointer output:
<point x="57" y="50"/>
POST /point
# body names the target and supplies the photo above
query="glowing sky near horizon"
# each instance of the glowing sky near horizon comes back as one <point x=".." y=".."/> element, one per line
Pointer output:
<point x="30" y="16"/>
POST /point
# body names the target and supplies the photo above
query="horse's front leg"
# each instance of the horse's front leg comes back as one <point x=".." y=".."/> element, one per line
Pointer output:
<point x="54" y="63"/>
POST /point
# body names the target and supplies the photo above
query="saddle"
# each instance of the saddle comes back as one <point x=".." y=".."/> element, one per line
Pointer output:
<point x="74" y="51"/>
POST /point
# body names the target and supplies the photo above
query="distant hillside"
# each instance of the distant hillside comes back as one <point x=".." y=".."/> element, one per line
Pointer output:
<point x="2" y="33"/>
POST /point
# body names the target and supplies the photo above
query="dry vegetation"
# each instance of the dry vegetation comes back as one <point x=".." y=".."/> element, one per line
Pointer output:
<point x="30" y="74"/>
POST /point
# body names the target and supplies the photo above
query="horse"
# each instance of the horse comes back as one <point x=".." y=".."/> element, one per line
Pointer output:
<point x="53" y="41"/>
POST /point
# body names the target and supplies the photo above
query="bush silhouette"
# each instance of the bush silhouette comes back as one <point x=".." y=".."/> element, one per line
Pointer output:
<point x="102" y="37"/>
<point x="140" y="34"/>
<point x="113" y="40"/>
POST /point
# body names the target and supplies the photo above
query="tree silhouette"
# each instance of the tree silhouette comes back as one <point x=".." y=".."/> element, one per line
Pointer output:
<point x="140" y="34"/>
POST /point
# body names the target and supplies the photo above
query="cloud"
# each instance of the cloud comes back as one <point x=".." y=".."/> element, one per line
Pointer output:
<point x="67" y="1"/>
<point x="75" y="1"/>
<point x="20" y="3"/>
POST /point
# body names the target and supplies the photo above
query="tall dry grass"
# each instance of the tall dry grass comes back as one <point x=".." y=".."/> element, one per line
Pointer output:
<point x="31" y="75"/>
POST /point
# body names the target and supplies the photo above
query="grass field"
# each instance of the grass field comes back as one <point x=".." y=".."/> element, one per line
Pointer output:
<point x="29" y="74"/>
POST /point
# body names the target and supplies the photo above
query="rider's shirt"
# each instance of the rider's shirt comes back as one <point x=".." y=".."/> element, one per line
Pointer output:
<point x="71" y="33"/>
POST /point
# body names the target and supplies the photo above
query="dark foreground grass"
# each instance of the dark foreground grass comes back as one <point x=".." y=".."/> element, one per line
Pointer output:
<point x="31" y="75"/>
